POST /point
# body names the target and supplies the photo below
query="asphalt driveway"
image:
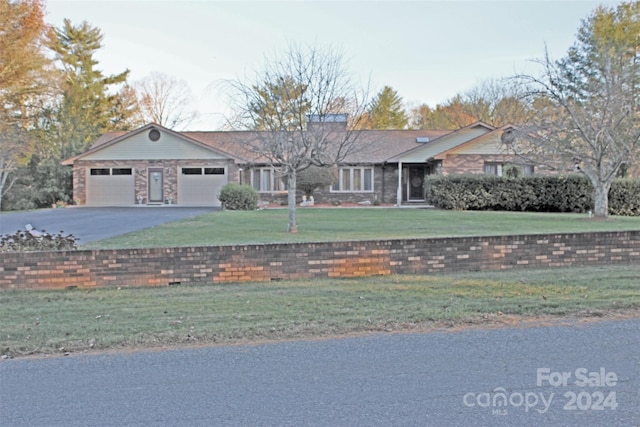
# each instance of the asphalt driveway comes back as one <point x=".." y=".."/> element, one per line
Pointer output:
<point x="89" y="224"/>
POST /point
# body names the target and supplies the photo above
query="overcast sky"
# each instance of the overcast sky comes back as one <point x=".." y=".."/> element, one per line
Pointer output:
<point x="426" y="50"/>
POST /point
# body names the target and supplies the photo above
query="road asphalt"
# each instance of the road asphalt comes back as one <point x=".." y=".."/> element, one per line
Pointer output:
<point x="89" y="224"/>
<point x="576" y="374"/>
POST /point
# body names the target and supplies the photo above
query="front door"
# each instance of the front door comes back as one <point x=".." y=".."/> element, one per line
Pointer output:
<point x="415" y="183"/>
<point x="155" y="185"/>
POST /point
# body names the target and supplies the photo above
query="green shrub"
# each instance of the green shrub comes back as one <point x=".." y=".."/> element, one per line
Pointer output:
<point x="239" y="197"/>
<point x="33" y="240"/>
<point x="624" y="197"/>
<point x="315" y="177"/>
<point x="572" y="193"/>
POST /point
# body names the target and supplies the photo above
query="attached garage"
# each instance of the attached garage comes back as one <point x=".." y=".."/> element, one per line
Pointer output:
<point x="200" y="186"/>
<point x="110" y="187"/>
<point x="153" y="166"/>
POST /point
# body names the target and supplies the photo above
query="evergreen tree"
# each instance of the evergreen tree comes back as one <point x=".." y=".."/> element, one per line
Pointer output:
<point x="280" y="104"/>
<point x="87" y="107"/>
<point x="387" y="111"/>
<point x="87" y="104"/>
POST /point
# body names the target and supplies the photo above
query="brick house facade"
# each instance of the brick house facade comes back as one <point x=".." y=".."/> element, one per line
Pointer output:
<point x="155" y="165"/>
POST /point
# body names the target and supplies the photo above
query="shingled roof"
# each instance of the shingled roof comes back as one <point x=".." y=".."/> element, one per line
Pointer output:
<point x="374" y="146"/>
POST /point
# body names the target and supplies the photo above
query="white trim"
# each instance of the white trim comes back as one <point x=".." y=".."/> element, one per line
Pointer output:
<point x="274" y="182"/>
<point x="488" y="166"/>
<point x="352" y="177"/>
<point x="399" y="190"/>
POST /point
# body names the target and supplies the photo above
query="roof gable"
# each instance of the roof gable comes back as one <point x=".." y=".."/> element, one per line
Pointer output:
<point x="489" y="143"/>
<point x="443" y="144"/>
<point x="140" y="145"/>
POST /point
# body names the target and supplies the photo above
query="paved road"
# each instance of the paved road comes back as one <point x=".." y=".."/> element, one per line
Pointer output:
<point x="90" y="224"/>
<point x="435" y="379"/>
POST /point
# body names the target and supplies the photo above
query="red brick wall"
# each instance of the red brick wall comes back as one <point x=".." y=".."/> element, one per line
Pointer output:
<point x="218" y="264"/>
<point x="470" y="163"/>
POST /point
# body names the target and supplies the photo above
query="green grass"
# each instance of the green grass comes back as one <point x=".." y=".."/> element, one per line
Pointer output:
<point x="41" y="322"/>
<point x="326" y="224"/>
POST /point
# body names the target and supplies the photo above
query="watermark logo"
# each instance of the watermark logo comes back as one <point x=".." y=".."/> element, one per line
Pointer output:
<point x="500" y="400"/>
<point x="589" y="391"/>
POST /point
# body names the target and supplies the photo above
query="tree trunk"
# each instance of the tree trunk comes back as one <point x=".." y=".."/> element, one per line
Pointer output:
<point x="4" y="174"/>
<point x="601" y="205"/>
<point x="291" y="201"/>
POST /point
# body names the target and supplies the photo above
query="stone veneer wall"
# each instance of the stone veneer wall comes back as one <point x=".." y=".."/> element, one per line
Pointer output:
<point x="220" y="264"/>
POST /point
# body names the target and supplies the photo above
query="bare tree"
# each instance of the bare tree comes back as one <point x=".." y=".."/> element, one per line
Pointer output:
<point x="497" y="102"/>
<point x="164" y="100"/>
<point x="299" y="104"/>
<point x="587" y="103"/>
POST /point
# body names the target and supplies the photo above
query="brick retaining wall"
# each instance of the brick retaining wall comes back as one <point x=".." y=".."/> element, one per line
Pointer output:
<point x="219" y="264"/>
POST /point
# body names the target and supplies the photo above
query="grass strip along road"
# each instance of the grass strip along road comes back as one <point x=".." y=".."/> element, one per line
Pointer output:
<point x="62" y="322"/>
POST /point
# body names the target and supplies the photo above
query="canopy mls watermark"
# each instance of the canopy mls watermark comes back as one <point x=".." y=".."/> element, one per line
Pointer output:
<point x="577" y="390"/>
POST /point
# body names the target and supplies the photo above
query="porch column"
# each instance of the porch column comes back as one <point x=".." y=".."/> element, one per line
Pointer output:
<point x="399" y="191"/>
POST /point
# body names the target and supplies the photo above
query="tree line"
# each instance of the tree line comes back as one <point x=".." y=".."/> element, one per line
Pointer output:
<point x="55" y="102"/>
<point x="580" y="113"/>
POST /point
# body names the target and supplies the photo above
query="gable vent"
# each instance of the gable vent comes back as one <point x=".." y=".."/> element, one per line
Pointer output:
<point x="154" y="135"/>
<point x="422" y="139"/>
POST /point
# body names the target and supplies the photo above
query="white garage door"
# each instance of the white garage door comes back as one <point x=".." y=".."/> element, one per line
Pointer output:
<point x="110" y="187"/>
<point x="200" y="186"/>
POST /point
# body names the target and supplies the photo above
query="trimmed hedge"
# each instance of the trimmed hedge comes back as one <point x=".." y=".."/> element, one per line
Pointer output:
<point x="239" y="197"/>
<point x="572" y="193"/>
<point x="624" y="197"/>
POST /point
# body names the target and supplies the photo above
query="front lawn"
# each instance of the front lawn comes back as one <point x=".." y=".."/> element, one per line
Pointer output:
<point x="332" y="224"/>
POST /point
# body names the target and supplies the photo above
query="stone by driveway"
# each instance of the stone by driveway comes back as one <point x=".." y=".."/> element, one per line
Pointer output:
<point x="89" y="224"/>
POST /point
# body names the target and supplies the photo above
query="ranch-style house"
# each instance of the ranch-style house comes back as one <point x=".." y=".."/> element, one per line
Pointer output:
<point x="154" y="165"/>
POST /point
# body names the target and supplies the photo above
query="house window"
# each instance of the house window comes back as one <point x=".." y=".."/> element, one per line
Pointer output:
<point x="214" y="171"/>
<point x="357" y="179"/>
<point x="191" y="171"/>
<point x="267" y="180"/>
<point x="100" y="171"/>
<point x="528" y="170"/>
<point x="121" y="171"/>
<point x="493" y="168"/>
<point x="202" y="171"/>
<point x="110" y="171"/>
